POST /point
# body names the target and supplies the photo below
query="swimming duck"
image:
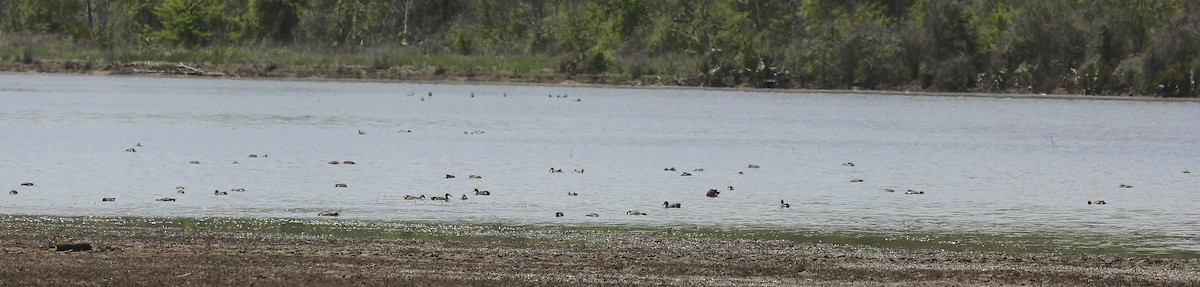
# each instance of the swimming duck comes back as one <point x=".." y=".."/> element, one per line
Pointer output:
<point x="634" y="212"/>
<point x="686" y="174"/>
<point x="340" y="185"/>
<point x="712" y="193"/>
<point x="328" y="213"/>
<point x="108" y="199"/>
<point x="856" y="180"/>
<point x="361" y="132"/>
<point x="348" y="162"/>
<point x="671" y="205"/>
<point x="442" y="198"/>
<point x="26" y="183"/>
<point x="669" y="169"/>
<point x="464" y="197"/>
<point x="889" y="190"/>
<point x="194" y="162"/>
<point x="1096" y="202"/>
<point x="138" y="145"/>
<point x="238" y="189"/>
<point x="558" y="214"/>
<point x="784" y="204"/>
<point x="218" y="192"/>
<point x="413" y="197"/>
<point x="13" y="192"/>
<point x="178" y="187"/>
<point x="406" y="131"/>
<point x="131" y="150"/>
<point x="252" y="155"/>
<point x="914" y="192"/>
<point x="592" y="214"/>
<point x="698" y="170"/>
<point x="334" y="162"/>
<point x="752" y="166"/>
<point x="165" y="199"/>
<point x="180" y="191"/>
<point x="449" y="176"/>
<point x="482" y="192"/>
<point x="850" y="164"/>
<point x="1186" y="171"/>
<point x="474" y="177"/>
<point x="578" y="171"/>
<point x="1125" y="186"/>
<point x="572" y="194"/>
<point x="235" y="161"/>
<point x="729" y="188"/>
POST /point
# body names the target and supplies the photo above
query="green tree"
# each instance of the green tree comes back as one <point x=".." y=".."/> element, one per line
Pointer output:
<point x="190" y="22"/>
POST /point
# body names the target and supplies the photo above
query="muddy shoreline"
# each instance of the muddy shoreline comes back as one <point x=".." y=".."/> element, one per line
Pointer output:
<point x="464" y="255"/>
<point x="435" y="75"/>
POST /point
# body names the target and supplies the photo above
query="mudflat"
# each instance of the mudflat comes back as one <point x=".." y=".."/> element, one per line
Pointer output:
<point x="141" y="256"/>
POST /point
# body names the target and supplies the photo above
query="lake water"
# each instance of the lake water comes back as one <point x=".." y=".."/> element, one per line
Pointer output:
<point x="986" y="165"/>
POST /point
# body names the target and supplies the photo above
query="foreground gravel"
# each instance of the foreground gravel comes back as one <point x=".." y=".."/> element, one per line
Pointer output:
<point x="172" y="257"/>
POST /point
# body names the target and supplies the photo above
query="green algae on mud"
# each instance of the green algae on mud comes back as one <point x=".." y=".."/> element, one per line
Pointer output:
<point x="1016" y="242"/>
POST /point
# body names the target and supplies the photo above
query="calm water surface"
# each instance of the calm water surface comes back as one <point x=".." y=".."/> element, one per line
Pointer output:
<point x="986" y="165"/>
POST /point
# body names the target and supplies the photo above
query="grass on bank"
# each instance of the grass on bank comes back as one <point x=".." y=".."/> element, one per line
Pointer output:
<point x="481" y="232"/>
<point x="28" y="49"/>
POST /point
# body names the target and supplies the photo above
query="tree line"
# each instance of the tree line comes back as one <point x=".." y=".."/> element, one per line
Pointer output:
<point x="1094" y="47"/>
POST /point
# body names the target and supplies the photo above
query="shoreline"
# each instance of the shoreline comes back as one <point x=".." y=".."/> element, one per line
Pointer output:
<point x="465" y="255"/>
<point x="428" y="75"/>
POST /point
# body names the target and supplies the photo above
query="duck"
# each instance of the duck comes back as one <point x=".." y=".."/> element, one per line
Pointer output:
<point x="180" y="191"/>
<point x="1096" y="202"/>
<point x="634" y="212"/>
<point x="361" y="132"/>
<point x="784" y="204"/>
<point x="1125" y="186"/>
<point x="252" y="156"/>
<point x="235" y="161"/>
<point x="449" y="176"/>
<point x="108" y="199"/>
<point x="194" y="162"/>
<point x="572" y="194"/>
<point x="555" y="170"/>
<point x="914" y="192"/>
<point x="347" y="162"/>
<point x="578" y="171"/>
<point x="165" y="199"/>
<point x="686" y="174"/>
<point x="237" y="189"/>
<point x="13" y="192"/>
<point x="329" y="213"/>
<point x="889" y="190"/>
<point x="464" y="197"/>
<point x="698" y="170"/>
<point x="558" y="214"/>
<point x="712" y="193"/>
<point x="413" y="197"/>
<point x="340" y="185"/>
<point x="729" y="188"/>
<point x="406" y="131"/>
<point x="482" y="192"/>
<point x="856" y="180"/>
<point x="592" y="214"/>
<point x="850" y="164"/>
<point x="138" y="145"/>
<point x="334" y="162"/>
<point x="669" y="169"/>
<point x="26" y="183"/>
<point x="741" y="172"/>
<point x="752" y="166"/>
<point x="671" y="205"/>
<point x="474" y="177"/>
<point x="1187" y="171"/>
<point x="178" y="187"/>
<point x="442" y="198"/>
<point x="218" y="192"/>
<point x="131" y="150"/>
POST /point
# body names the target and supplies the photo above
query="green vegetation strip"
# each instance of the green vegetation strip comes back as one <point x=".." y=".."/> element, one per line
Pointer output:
<point x="475" y="232"/>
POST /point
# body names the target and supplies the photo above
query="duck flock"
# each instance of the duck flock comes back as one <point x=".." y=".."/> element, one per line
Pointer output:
<point x="710" y="194"/>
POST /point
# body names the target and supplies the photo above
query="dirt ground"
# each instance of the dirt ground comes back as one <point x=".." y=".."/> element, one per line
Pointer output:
<point x="171" y="257"/>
